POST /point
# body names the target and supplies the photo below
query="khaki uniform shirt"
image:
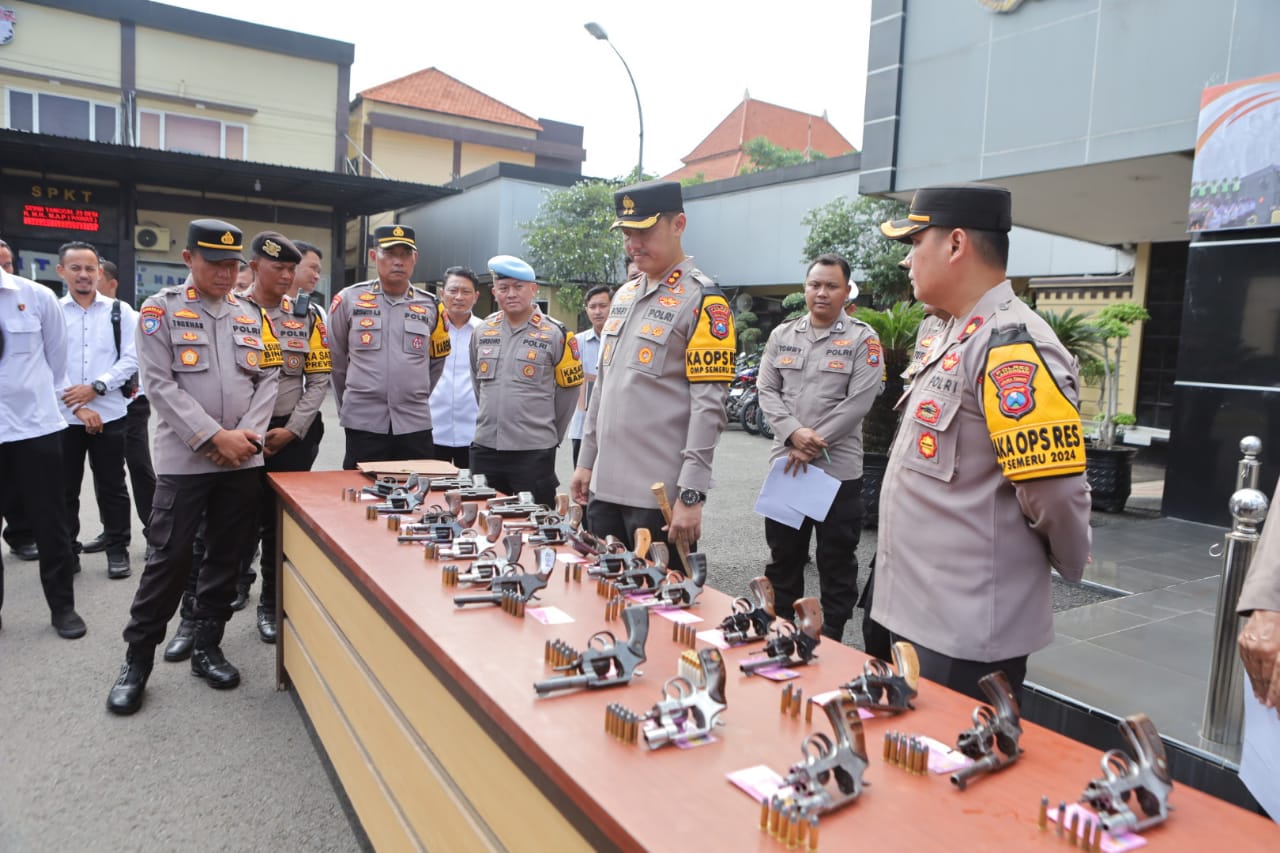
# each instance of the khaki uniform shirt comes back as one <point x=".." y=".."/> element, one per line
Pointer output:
<point x="658" y="407"/>
<point x="964" y="554"/>
<point x="206" y="367"/>
<point x="1261" y="590"/>
<point x="305" y="365"/>
<point x="526" y="381"/>
<point x="931" y="332"/>
<point x="388" y="353"/>
<point x="823" y="379"/>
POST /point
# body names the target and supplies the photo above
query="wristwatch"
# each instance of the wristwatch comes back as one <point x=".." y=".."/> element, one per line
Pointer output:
<point x="99" y="386"/>
<point x="692" y="497"/>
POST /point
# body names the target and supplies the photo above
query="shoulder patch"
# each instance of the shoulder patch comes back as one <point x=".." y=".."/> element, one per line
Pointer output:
<point x="713" y="343"/>
<point x="1035" y="429"/>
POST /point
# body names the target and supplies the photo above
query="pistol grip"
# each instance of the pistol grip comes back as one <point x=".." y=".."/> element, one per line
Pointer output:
<point x="907" y="662"/>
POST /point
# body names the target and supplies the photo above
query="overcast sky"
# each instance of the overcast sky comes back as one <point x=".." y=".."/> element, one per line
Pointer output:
<point x="692" y="60"/>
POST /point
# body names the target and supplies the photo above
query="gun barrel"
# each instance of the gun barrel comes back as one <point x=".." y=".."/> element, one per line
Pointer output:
<point x="478" y="598"/>
<point x="758" y="664"/>
<point x="563" y="682"/>
<point x="981" y="767"/>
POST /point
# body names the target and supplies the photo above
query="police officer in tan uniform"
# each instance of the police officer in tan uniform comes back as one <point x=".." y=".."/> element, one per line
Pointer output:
<point x="989" y="458"/>
<point x="526" y="369"/>
<point x="205" y="362"/>
<point x="389" y="343"/>
<point x="666" y="361"/>
<point x="819" y="375"/>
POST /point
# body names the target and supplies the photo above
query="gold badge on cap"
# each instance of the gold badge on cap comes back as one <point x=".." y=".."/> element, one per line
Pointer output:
<point x="628" y="206"/>
<point x="228" y="239"/>
<point x="271" y="248"/>
<point x="397" y="231"/>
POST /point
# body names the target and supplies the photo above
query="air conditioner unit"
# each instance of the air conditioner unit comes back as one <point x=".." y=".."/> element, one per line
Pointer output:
<point x="148" y="237"/>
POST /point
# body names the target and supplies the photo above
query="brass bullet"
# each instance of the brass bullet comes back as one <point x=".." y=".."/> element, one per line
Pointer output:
<point x="577" y="572"/>
<point x="371" y="513"/>
<point x="1071" y="830"/>
<point x="901" y="758"/>
<point x="764" y="814"/>
<point x="793" y="829"/>
<point x="781" y="824"/>
<point x="924" y="758"/>
<point x="1062" y="817"/>
<point x="1043" y="821"/>
<point x="804" y="833"/>
<point x="1097" y="837"/>
<point x="888" y="745"/>
<point x="608" y="720"/>
<point x="813" y="832"/>
<point x="797" y="699"/>
<point x="786" y="699"/>
<point x="775" y="808"/>
<point x="808" y="711"/>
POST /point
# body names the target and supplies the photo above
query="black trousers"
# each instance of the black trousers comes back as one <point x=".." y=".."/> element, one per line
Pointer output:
<point x="609" y="519"/>
<point x="363" y="446"/>
<point x="835" y="555"/>
<point x="31" y="474"/>
<point x="513" y="471"/>
<point x="459" y="457"/>
<point x="106" y="460"/>
<point x="297" y="455"/>
<point x="228" y="503"/>
<point x="137" y="455"/>
<point x="962" y="675"/>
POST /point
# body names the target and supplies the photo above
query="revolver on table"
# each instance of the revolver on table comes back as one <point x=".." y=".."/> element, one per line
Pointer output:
<point x="992" y="743"/>
<point x="752" y="614"/>
<point x="687" y="710"/>
<point x="830" y="776"/>
<point x="677" y="590"/>
<point x="513" y="582"/>
<point x="605" y="662"/>
<point x="791" y="643"/>
<point x="1145" y="776"/>
<point x="879" y="688"/>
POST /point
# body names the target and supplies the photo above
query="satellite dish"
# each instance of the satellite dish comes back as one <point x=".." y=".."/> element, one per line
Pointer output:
<point x="743" y="301"/>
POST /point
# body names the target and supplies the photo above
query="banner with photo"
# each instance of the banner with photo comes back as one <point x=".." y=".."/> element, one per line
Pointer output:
<point x="1235" y="179"/>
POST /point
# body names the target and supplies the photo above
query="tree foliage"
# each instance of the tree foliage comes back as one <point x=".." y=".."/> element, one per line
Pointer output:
<point x="763" y="155"/>
<point x="896" y="328"/>
<point x="570" y="243"/>
<point x="852" y="229"/>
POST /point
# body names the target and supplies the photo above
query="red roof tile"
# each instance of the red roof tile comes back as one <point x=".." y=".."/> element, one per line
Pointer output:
<point x="432" y="89"/>
<point x="720" y="154"/>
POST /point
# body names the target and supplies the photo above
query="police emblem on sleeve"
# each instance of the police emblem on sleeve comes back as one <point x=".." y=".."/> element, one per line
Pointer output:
<point x="1014" y="389"/>
<point x="720" y="317"/>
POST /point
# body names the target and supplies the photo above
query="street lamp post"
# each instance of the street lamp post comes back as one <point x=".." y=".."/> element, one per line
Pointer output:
<point x="598" y="31"/>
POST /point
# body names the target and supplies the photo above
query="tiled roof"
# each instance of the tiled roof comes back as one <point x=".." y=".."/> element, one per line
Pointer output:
<point x="432" y="89"/>
<point x="720" y="155"/>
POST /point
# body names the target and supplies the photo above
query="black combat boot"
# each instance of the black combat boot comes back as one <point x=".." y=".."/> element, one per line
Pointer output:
<point x="267" y="623"/>
<point x="126" y="693"/>
<point x="207" y="661"/>
<point x="179" y="648"/>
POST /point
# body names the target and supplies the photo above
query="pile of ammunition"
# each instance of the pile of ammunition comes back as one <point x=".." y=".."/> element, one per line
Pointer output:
<point x="1080" y="830"/>
<point x="690" y="668"/>
<point x="613" y="608"/>
<point x="622" y="724"/>
<point x="559" y="653"/>
<point x="513" y="603"/>
<point x="782" y="820"/>
<point x="684" y="634"/>
<point x="792" y="699"/>
<point x="573" y="570"/>
<point x="449" y="575"/>
<point x="908" y="752"/>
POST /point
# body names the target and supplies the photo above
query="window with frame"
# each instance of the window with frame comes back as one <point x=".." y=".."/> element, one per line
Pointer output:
<point x="192" y="134"/>
<point x="61" y="115"/>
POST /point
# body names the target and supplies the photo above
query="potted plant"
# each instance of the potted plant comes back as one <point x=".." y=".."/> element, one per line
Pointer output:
<point x="1110" y="467"/>
<point x="896" y="327"/>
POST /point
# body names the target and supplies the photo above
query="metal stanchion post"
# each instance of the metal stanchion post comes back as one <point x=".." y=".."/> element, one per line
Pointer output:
<point x="1224" y="703"/>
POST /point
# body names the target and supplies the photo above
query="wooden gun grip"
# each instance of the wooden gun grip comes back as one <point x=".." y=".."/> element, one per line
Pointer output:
<point x="907" y="662"/>
<point x="664" y="503"/>
<point x="643" y="540"/>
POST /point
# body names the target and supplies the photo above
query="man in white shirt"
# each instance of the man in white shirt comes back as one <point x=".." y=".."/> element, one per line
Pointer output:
<point x="453" y="400"/>
<point x="33" y="356"/>
<point x="596" y="304"/>
<point x="100" y="360"/>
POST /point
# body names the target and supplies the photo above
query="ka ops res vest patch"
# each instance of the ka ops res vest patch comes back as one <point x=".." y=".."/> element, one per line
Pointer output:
<point x="1035" y="428"/>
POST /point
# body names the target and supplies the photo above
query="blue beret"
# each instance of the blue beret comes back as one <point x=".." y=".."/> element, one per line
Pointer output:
<point x="509" y="266"/>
